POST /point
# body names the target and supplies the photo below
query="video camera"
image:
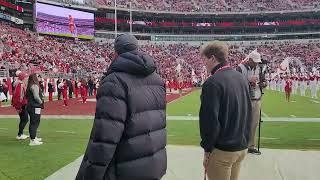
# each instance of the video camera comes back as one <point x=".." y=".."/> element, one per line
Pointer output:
<point x="263" y="69"/>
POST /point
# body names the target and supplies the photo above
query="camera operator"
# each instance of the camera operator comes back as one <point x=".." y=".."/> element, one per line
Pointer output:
<point x="254" y="73"/>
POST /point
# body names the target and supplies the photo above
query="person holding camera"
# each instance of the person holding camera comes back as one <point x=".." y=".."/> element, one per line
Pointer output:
<point x="34" y="106"/>
<point x="251" y="71"/>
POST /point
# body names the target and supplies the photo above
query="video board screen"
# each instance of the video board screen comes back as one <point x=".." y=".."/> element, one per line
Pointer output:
<point x="60" y="21"/>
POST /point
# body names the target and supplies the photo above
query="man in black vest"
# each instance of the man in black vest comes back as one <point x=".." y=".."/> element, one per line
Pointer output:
<point x="128" y="137"/>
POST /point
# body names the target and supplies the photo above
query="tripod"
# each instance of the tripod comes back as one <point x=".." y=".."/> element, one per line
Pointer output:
<point x="259" y="136"/>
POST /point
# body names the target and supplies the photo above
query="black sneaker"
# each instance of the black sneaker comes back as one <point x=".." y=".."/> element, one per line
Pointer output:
<point x="254" y="151"/>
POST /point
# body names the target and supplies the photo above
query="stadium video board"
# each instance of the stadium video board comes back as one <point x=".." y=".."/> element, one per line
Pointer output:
<point x="60" y="21"/>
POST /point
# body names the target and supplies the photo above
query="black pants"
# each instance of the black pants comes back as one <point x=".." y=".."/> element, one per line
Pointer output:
<point x="6" y="94"/>
<point x="90" y="91"/>
<point x="23" y="120"/>
<point x="70" y="94"/>
<point x="34" y="122"/>
<point x="59" y="94"/>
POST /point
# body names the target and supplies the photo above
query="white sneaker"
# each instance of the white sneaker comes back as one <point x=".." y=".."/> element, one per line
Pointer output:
<point x="35" y="142"/>
<point x="22" y="137"/>
<point x="38" y="139"/>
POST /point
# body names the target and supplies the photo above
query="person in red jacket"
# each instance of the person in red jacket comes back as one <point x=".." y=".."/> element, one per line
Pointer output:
<point x="288" y="88"/>
<point x="84" y="91"/>
<point x="19" y="102"/>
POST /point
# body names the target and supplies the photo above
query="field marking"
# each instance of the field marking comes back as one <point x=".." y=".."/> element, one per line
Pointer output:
<point x="314" y="101"/>
<point x="264" y="114"/>
<point x="270" y="138"/>
<point x="6" y="129"/>
<point x="191" y="92"/>
<point x="270" y="119"/>
<point x="66" y="132"/>
<point x="313" y="139"/>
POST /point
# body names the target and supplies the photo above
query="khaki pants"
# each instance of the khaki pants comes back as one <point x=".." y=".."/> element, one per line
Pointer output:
<point x="225" y="165"/>
<point x="256" y="106"/>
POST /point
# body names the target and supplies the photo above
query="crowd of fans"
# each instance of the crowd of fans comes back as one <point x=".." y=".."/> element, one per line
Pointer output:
<point x="24" y="50"/>
<point x="214" y="5"/>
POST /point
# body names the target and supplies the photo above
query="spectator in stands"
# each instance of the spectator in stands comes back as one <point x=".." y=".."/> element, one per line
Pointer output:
<point x="130" y="85"/>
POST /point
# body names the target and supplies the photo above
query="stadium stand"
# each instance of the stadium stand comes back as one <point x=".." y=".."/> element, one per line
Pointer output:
<point x="209" y="5"/>
<point x="24" y="50"/>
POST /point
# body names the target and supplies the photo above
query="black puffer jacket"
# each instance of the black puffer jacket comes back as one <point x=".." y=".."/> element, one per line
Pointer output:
<point x="128" y="138"/>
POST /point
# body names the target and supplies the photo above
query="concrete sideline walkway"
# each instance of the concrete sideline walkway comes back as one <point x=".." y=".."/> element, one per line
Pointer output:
<point x="185" y="163"/>
<point x="186" y="118"/>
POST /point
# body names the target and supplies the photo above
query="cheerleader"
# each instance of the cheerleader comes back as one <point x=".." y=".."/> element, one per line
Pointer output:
<point x="288" y="88"/>
<point x="313" y="86"/>
<point x="63" y="86"/>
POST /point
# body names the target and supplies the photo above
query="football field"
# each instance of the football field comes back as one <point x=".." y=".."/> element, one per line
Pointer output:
<point x="65" y="139"/>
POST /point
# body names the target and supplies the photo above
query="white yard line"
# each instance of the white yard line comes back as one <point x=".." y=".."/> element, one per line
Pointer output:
<point x="270" y="138"/>
<point x="4" y="129"/>
<point x="314" y="101"/>
<point x="313" y="139"/>
<point x="264" y="114"/>
<point x="66" y="132"/>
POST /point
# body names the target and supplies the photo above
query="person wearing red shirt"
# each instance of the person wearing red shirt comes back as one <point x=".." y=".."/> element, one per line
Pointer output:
<point x="19" y="102"/>
<point x="288" y="88"/>
<point x="84" y="91"/>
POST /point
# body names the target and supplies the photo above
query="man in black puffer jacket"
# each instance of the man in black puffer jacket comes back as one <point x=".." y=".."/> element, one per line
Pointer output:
<point x="128" y="137"/>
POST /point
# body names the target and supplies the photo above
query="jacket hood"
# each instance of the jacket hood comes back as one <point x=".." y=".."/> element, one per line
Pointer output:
<point x="133" y="62"/>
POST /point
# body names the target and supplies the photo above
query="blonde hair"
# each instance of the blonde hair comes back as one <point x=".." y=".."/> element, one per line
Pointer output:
<point x="216" y="49"/>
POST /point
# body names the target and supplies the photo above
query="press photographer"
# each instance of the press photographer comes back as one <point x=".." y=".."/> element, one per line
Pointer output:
<point x="254" y="70"/>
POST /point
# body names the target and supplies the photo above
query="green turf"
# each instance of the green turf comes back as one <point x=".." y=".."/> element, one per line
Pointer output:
<point x="274" y="105"/>
<point x="19" y="161"/>
<point x="292" y="135"/>
<point x="188" y="105"/>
